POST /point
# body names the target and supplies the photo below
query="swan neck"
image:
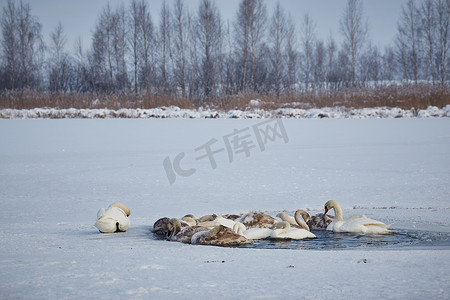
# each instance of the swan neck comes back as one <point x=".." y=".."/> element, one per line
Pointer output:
<point x="286" y="227"/>
<point x="299" y="221"/>
<point x="176" y="227"/>
<point x="338" y="212"/>
<point x="237" y="229"/>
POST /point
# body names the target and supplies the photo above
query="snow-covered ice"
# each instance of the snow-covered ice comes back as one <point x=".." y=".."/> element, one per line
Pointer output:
<point x="56" y="174"/>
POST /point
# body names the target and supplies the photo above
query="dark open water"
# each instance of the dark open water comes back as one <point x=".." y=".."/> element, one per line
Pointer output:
<point x="327" y="240"/>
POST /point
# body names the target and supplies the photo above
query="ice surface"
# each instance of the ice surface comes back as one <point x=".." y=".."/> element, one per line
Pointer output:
<point x="56" y="174"/>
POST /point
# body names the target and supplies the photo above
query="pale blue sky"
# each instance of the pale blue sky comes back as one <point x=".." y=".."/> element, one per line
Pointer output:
<point x="80" y="16"/>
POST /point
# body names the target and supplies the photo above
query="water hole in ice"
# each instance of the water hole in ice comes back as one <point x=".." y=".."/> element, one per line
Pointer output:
<point x="327" y="240"/>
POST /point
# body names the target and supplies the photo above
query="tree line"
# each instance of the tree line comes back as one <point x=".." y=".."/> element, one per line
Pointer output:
<point x="199" y="56"/>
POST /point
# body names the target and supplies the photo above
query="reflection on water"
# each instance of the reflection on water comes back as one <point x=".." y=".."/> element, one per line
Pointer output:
<point x="329" y="240"/>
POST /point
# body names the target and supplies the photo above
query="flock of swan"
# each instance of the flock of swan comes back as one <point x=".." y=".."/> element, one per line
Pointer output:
<point x="231" y="230"/>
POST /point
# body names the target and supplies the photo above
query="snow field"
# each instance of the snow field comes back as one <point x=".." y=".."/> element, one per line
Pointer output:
<point x="56" y="174"/>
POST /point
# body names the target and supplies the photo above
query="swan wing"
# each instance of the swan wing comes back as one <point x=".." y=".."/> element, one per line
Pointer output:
<point x="106" y="225"/>
<point x="225" y="222"/>
<point x="356" y="217"/>
<point x="364" y="225"/>
<point x="101" y="213"/>
<point x="299" y="234"/>
<point x="257" y="233"/>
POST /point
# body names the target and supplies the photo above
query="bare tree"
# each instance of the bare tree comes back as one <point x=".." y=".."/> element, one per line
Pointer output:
<point x="443" y="34"/>
<point x="319" y="64"/>
<point x="135" y="40"/>
<point x="180" y="40"/>
<point x="22" y="46"/>
<point x="146" y="47"/>
<point x="59" y="61"/>
<point x="209" y="36"/>
<point x="331" y="73"/>
<point x="9" y="45"/>
<point x="165" y="46"/>
<point x="81" y="68"/>
<point x="230" y="82"/>
<point x="371" y="66"/>
<point x="120" y="49"/>
<point x="407" y="42"/>
<point x="355" y="33"/>
<point x="249" y="32"/>
<point x="428" y="26"/>
<point x="389" y="65"/>
<point x="292" y="55"/>
<point x="307" y="40"/>
<point x="277" y="41"/>
<point x="193" y="81"/>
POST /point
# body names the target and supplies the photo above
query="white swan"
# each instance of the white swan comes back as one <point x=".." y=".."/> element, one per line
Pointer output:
<point x="287" y="218"/>
<point x="113" y="219"/>
<point x="217" y="222"/>
<point x="254" y="233"/>
<point x="297" y="221"/>
<point x="219" y="236"/>
<point x="283" y="231"/>
<point x="354" y="224"/>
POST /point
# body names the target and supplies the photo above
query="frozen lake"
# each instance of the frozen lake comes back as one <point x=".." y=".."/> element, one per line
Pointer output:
<point x="56" y="174"/>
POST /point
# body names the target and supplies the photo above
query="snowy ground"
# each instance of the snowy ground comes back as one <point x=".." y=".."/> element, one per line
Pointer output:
<point x="252" y="111"/>
<point x="56" y="174"/>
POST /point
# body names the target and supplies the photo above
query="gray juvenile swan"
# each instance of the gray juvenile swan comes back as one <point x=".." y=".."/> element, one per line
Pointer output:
<point x="254" y="219"/>
<point x="219" y="236"/>
<point x="182" y="234"/>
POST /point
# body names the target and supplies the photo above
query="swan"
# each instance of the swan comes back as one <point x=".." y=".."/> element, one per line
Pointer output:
<point x="301" y="219"/>
<point x="355" y="224"/>
<point x="113" y="219"/>
<point x="319" y="222"/>
<point x="287" y="218"/>
<point x="261" y="220"/>
<point x="219" y="236"/>
<point x="283" y="231"/>
<point x="161" y="226"/>
<point x="254" y="233"/>
<point x="207" y="218"/>
<point x="219" y="221"/>
<point x="179" y="234"/>
<point x="189" y="220"/>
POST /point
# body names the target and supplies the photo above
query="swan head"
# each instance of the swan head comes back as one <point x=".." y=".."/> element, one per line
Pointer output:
<point x="304" y="214"/>
<point x="122" y="207"/>
<point x="330" y="205"/>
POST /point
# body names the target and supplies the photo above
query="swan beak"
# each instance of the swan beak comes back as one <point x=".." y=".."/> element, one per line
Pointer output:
<point x="326" y="210"/>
